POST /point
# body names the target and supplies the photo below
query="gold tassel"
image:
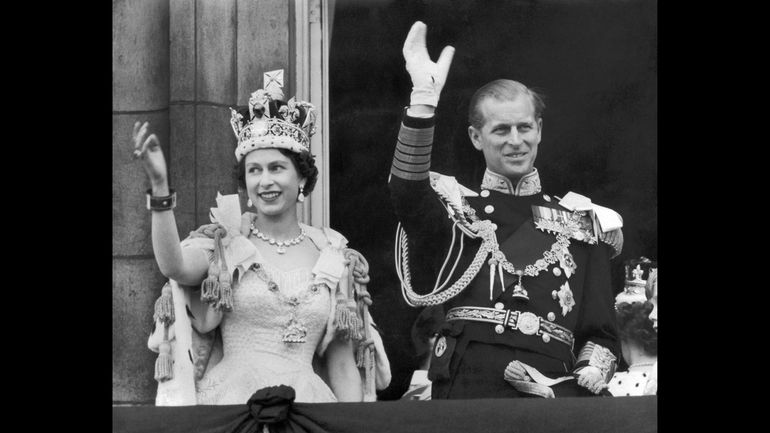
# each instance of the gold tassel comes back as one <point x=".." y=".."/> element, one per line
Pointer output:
<point x="226" y="292"/>
<point x="342" y="317"/>
<point x="210" y="285"/>
<point x="363" y="351"/>
<point x="365" y="361"/>
<point x="360" y="352"/>
<point x="365" y="355"/>
<point x="164" y="307"/>
<point x="348" y="324"/>
<point x="354" y="323"/>
<point x="164" y="364"/>
<point x="210" y="289"/>
<point x="369" y="372"/>
<point x="216" y="290"/>
<point x="364" y="300"/>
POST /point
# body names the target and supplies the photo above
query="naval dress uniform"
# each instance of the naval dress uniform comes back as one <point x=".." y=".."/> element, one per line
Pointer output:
<point x="523" y="278"/>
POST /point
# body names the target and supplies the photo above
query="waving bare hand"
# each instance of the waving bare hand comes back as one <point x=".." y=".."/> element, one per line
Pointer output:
<point x="147" y="148"/>
<point x="428" y="78"/>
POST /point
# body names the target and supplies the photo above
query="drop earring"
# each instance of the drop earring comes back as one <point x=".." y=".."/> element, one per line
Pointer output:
<point x="249" y="203"/>
<point x="301" y="196"/>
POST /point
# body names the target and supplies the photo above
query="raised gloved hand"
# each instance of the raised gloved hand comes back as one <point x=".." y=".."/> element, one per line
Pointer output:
<point x="428" y="78"/>
<point x="592" y="379"/>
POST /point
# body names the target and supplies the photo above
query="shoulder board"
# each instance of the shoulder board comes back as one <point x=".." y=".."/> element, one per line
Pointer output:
<point x="604" y="218"/>
<point x="555" y="219"/>
<point x="452" y="194"/>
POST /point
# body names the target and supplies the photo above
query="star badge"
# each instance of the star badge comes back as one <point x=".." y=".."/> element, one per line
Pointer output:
<point x="566" y="300"/>
<point x="567" y="263"/>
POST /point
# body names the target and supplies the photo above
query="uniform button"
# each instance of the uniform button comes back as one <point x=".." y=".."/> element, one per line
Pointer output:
<point x="489" y="208"/>
<point x="485" y="193"/>
<point x="556" y="271"/>
<point x="546" y="338"/>
<point x="499" y="329"/>
<point x="499" y="306"/>
<point x="554" y="295"/>
<point x="551" y="316"/>
<point x="546" y="197"/>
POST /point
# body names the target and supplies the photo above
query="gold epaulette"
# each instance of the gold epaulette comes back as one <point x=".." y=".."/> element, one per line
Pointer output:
<point x="452" y="195"/>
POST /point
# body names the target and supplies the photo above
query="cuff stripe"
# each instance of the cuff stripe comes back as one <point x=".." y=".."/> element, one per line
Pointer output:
<point x="395" y="171"/>
<point x="411" y="159"/>
<point x="415" y="136"/>
<point x="414" y="150"/>
<point x="406" y="166"/>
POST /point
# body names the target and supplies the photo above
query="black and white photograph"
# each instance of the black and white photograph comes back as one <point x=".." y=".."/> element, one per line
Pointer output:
<point x="385" y="216"/>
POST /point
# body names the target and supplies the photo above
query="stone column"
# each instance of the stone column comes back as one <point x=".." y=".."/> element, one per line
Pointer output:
<point x="140" y="64"/>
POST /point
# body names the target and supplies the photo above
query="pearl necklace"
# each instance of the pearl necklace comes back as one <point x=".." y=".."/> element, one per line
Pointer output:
<point x="282" y="245"/>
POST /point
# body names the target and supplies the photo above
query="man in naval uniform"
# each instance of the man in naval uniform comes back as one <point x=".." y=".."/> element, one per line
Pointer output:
<point x="524" y="277"/>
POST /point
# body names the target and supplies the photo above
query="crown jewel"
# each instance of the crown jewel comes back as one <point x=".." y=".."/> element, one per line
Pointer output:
<point x="269" y="122"/>
<point x="634" y="290"/>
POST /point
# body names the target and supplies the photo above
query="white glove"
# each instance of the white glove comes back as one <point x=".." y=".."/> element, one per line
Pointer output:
<point x="428" y="78"/>
<point x="591" y="378"/>
<point x="514" y="371"/>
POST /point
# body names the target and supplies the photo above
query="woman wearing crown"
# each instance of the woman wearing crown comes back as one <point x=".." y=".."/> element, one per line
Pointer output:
<point x="258" y="299"/>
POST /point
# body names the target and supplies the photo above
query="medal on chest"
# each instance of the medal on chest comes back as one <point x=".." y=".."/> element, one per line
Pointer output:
<point x="565" y="297"/>
<point x="295" y="331"/>
<point x="558" y="254"/>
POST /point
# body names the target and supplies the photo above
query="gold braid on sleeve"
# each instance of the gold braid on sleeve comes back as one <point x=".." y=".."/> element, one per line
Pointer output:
<point x="596" y="355"/>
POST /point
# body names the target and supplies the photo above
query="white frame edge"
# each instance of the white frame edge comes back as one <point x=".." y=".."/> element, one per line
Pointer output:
<point x="312" y="84"/>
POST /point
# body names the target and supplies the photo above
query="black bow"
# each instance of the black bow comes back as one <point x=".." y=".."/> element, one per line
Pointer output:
<point x="271" y="405"/>
<point x="274" y="407"/>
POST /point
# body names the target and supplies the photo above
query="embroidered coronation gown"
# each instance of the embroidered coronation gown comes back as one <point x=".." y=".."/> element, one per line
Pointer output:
<point x="255" y="355"/>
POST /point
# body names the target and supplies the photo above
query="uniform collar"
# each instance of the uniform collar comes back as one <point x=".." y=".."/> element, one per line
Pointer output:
<point x="529" y="184"/>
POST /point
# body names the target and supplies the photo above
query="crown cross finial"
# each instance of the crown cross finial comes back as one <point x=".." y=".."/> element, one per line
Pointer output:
<point x="272" y="82"/>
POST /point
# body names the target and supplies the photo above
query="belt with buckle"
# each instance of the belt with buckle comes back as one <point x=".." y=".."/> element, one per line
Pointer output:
<point x="523" y="321"/>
